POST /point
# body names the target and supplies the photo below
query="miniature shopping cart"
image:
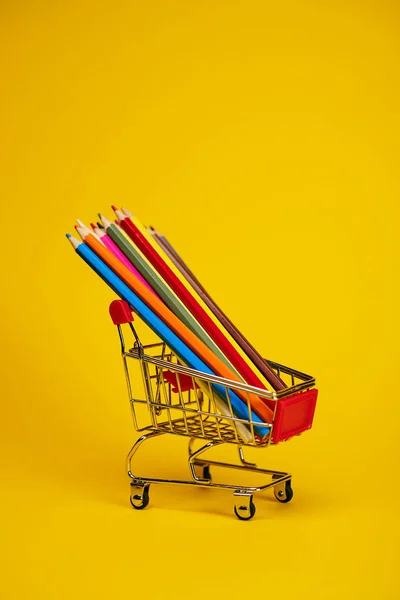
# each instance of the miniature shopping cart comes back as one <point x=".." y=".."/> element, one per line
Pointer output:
<point x="182" y="401"/>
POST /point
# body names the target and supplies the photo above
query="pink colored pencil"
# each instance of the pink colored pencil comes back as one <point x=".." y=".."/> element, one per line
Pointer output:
<point x="107" y="241"/>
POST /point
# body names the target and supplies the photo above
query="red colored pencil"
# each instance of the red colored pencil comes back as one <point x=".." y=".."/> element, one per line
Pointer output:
<point x="193" y="305"/>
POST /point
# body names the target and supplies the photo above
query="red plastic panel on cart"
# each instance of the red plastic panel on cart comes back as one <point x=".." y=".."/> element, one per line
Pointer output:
<point x="120" y="312"/>
<point x="294" y="415"/>
<point x="186" y="382"/>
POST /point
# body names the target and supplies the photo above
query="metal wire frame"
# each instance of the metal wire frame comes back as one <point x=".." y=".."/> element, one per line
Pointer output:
<point x="200" y="412"/>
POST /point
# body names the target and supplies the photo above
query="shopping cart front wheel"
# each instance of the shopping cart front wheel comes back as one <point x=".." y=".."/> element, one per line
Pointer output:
<point x="245" y="508"/>
<point x="140" y="496"/>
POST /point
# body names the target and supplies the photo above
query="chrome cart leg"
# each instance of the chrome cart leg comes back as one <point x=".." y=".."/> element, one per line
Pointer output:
<point x="139" y="495"/>
<point x="191" y="445"/>
<point x="242" y="459"/>
<point x="135" y="448"/>
<point x="206" y="468"/>
<point x="244" y="506"/>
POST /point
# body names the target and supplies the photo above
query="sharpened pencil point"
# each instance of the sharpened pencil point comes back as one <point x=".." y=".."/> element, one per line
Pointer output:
<point x="114" y="207"/>
<point x="76" y="226"/>
<point x="68" y="235"/>
<point x="105" y="221"/>
<point x="93" y="226"/>
<point x="120" y="215"/>
<point x="73" y="241"/>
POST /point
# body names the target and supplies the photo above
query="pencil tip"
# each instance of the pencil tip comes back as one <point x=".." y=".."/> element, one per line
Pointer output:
<point x="92" y="225"/>
<point x="76" y="226"/>
<point x="99" y="215"/>
<point x="68" y="235"/>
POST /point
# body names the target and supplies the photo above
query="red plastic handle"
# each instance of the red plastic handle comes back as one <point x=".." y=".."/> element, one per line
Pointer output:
<point x="120" y="312"/>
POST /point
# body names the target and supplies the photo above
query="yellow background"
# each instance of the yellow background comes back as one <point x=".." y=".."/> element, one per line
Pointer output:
<point x="263" y="139"/>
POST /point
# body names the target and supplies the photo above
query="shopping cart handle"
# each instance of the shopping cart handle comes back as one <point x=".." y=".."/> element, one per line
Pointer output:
<point x="120" y="312"/>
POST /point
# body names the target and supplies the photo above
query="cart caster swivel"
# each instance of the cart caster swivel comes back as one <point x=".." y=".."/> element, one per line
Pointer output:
<point x="244" y="508"/>
<point x="284" y="493"/>
<point x="201" y="473"/>
<point x="140" y="496"/>
<point x="207" y="472"/>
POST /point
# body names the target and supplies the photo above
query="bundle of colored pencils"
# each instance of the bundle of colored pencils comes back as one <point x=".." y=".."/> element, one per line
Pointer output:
<point x="142" y="267"/>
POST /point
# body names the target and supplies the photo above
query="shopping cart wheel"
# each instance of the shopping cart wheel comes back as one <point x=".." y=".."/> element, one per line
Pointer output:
<point x="141" y="498"/>
<point x="284" y="494"/>
<point x="246" y="509"/>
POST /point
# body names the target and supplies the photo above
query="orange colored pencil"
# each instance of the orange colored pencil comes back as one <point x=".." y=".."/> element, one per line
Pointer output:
<point x="257" y="404"/>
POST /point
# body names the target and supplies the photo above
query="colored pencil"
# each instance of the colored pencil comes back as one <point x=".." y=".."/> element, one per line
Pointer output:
<point x="168" y="249"/>
<point x="239" y="338"/>
<point x="163" y="248"/>
<point x="195" y="308"/>
<point x="165" y="243"/>
<point x="162" y="330"/>
<point x="165" y="254"/>
<point x="159" y="308"/>
<point x="146" y="234"/>
<point x="159" y="286"/>
<point x="112" y="246"/>
<point x="137" y="222"/>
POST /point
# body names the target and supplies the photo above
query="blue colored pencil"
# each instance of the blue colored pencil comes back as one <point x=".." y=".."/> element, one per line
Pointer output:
<point x="163" y="331"/>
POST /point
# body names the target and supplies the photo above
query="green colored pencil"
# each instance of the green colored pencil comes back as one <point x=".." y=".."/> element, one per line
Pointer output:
<point x="160" y="287"/>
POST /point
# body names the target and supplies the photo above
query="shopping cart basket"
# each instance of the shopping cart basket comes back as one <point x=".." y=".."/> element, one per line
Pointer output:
<point x="186" y="402"/>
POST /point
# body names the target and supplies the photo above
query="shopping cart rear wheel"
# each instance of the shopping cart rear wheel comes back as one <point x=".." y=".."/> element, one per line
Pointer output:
<point x="284" y="495"/>
<point x="141" y="499"/>
<point x="245" y="513"/>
